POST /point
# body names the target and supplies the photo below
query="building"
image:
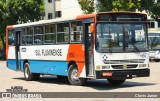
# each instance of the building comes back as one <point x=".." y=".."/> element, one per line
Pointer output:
<point x="61" y="8"/>
<point x="65" y="8"/>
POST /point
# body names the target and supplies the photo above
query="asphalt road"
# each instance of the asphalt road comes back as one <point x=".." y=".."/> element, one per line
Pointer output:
<point x="9" y="78"/>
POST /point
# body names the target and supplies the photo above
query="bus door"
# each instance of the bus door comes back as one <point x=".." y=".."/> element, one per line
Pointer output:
<point x="17" y="47"/>
<point x="88" y="43"/>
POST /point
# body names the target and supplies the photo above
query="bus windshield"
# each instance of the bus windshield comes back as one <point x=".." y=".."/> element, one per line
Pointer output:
<point x="118" y="37"/>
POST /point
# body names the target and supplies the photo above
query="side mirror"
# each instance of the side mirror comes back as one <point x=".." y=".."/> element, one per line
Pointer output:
<point x="92" y="29"/>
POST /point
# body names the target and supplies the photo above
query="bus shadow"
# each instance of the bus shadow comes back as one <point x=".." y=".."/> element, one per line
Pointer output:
<point x="95" y="84"/>
<point x="53" y="79"/>
<point x="48" y="79"/>
<point x="104" y="85"/>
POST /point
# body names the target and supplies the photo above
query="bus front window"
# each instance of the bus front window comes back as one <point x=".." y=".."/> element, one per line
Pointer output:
<point x="121" y="37"/>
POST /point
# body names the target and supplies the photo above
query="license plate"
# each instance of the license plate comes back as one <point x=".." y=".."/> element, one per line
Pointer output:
<point x="106" y="74"/>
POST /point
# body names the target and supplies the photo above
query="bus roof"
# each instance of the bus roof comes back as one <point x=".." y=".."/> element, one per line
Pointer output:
<point x="80" y="17"/>
<point x="43" y="22"/>
<point x="121" y="12"/>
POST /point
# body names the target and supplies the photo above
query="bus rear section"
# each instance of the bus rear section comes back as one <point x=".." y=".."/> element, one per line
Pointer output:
<point x="110" y="45"/>
<point x="11" y="54"/>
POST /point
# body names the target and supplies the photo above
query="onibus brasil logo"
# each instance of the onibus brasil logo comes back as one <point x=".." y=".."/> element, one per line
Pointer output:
<point x="19" y="92"/>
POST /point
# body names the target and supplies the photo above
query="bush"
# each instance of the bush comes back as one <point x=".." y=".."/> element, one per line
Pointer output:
<point x="2" y="55"/>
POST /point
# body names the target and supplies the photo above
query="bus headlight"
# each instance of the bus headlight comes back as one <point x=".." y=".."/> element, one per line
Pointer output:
<point x="106" y="67"/>
<point x="98" y="67"/>
<point x="142" y="65"/>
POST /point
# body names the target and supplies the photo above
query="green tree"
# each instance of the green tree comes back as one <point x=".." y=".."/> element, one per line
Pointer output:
<point x="105" y="5"/>
<point x="22" y="11"/>
<point x="119" y="5"/>
<point x="2" y="27"/>
<point x="155" y="12"/>
<point x="19" y="11"/>
<point x="110" y="5"/>
<point x="87" y="6"/>
<point x="150" y="6"/>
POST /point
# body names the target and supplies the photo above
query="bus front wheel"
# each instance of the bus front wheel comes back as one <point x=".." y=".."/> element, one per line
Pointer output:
<point x="116" y="82"/>
<point x="73" y="76"/>
<point x="28" y="75"/>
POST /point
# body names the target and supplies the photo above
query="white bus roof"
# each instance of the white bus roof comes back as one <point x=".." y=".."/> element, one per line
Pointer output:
<point x="43" y="22"/>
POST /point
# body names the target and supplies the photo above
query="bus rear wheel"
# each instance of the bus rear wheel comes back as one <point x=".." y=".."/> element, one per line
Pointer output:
<point x="73" y="76"/>
<point x="28" y="75"/>
<point x="116" y="82"/>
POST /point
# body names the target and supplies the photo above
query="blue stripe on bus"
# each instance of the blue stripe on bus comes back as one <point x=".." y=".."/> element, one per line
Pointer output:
<point x="11" y="64"/>
<point x="42" y="67"/>
<point x="49" y="67"/>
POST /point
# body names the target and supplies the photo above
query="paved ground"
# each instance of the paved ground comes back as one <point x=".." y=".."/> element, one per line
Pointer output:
<point x="9" y="78"/>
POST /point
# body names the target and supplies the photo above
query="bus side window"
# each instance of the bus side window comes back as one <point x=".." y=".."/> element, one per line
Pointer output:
<point x="11" y="38"/>
<point x="49" y="35"/>
<point x="38" y="35"/>
<point x="63" y="32"/>
<point x="29" y="35"/>
<point x="76" y="31"/>
<point x="23" y="36"/>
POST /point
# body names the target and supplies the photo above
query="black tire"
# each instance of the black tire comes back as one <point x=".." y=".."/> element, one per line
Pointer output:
<point x="28" y="76"/>
<point x="116" y="82"/>
<point x="73" y="76"/>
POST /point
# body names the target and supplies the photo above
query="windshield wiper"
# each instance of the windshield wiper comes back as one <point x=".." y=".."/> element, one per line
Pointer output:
<point x="135" y="47"/>
<point x="153" y="42"/>
<point x="110" y="46"/>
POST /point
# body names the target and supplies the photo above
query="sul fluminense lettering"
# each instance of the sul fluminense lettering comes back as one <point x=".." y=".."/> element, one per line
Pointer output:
<point x="48" y="52"/>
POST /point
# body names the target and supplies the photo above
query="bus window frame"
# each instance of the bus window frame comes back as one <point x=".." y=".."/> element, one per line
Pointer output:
<point x="13" y="44"/>
<point x="31" y="34"/>
<point x="41" y="34"/>
<point x="24" y="33"/>
<point x="63" y="32"/>
<point x="49" y="34"/>
<point x="74" y="42"/>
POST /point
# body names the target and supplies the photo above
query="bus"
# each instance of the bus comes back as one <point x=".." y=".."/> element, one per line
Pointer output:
<point x="154" y="46"/>
<point x="105" y="45"/>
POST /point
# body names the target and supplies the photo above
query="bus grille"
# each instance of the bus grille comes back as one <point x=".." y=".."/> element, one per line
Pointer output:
<point x="121" y="66"/>
<point x="124" y="61"/>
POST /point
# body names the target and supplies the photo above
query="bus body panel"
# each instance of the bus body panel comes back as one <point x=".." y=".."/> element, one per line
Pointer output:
<point x="11" y="58"/>
<point x="46" y="59"/>
<point x="11" y="64"/>
<point x="116" y="65"/>
<point x="121" y="58"/>
<point x="7" y="47"/>
<point x="44" y="52"/>
<point x="49" y="67"/>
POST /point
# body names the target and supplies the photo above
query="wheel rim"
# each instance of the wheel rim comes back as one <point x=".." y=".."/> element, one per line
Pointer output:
<point x="74" y="75"/>
<point x="26" y="72"/>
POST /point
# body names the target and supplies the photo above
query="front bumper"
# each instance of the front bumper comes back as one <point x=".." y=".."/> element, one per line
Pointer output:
<point x="116" y="74"/>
